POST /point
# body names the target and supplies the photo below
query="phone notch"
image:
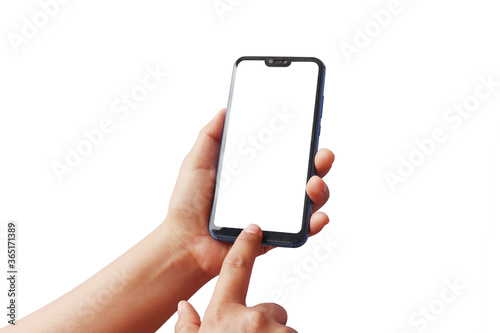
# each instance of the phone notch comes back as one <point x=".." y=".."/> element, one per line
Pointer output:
<point x="278" y="62"/>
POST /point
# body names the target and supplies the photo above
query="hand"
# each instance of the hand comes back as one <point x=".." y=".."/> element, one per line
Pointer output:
<point x="174" y="261"/>
<point x="227" y="311"/>
<point x="189" y="208"/>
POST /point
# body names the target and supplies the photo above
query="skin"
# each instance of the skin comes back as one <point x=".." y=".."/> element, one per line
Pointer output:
<point x="227" y="310"/>
<point x="140" y="290"/>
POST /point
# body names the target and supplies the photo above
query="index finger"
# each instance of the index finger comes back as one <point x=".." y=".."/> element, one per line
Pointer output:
<point x="236" y="270"/>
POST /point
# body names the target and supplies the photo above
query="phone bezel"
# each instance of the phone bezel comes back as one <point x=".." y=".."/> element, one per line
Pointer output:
<point x="273" y="238"/>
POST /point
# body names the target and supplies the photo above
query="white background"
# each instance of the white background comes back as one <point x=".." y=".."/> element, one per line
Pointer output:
<point x="394" y="249"/>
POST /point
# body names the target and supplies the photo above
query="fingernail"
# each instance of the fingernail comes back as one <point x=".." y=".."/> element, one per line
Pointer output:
<point x="253" y="229"/>
<point x="325" y="188"/>
<point x="179" y="307"/>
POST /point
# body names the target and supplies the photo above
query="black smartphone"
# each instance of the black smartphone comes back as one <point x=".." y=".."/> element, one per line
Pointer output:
<point x="270" y="138"/>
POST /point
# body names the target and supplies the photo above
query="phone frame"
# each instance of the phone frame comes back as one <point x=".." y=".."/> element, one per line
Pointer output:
<point x="273" y="238"/>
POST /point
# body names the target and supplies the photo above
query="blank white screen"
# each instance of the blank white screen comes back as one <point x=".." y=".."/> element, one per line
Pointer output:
<point x="266" y="152"/>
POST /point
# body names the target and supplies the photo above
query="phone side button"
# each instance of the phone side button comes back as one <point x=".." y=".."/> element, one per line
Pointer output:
<point x="319" y="132"/>
<point x="322" y="101"/>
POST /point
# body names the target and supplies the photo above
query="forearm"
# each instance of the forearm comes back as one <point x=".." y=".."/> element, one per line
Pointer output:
<point x="137" y="292"/>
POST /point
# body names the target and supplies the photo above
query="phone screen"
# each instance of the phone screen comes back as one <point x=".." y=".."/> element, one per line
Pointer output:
<point x="266" y="148"/>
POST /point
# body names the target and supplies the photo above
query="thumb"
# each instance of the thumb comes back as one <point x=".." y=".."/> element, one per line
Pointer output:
<point x="205" y="152"/>
<point x="189" y="320"/>
<point x="195" y="185"/>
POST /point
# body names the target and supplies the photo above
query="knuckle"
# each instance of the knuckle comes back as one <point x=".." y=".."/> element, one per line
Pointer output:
<point x="279" y="307"/>
<point x="255" y="321"/>
<point x="220" y="313"/>
<point x="275" y="311"/>
<point x="217" y="317"/>
<point x="236" y="262"/>
<point x="204" y="131"/>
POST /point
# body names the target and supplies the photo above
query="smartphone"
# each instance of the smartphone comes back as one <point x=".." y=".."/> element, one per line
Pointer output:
<point x="269" y="141"/>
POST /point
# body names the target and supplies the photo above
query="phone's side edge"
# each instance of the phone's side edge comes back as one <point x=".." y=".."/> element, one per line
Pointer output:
<point x="318" y="114"/>
<point x="213" y="208"/>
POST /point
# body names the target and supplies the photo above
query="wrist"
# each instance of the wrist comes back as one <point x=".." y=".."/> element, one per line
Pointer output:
<point x="180" y="242"/>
